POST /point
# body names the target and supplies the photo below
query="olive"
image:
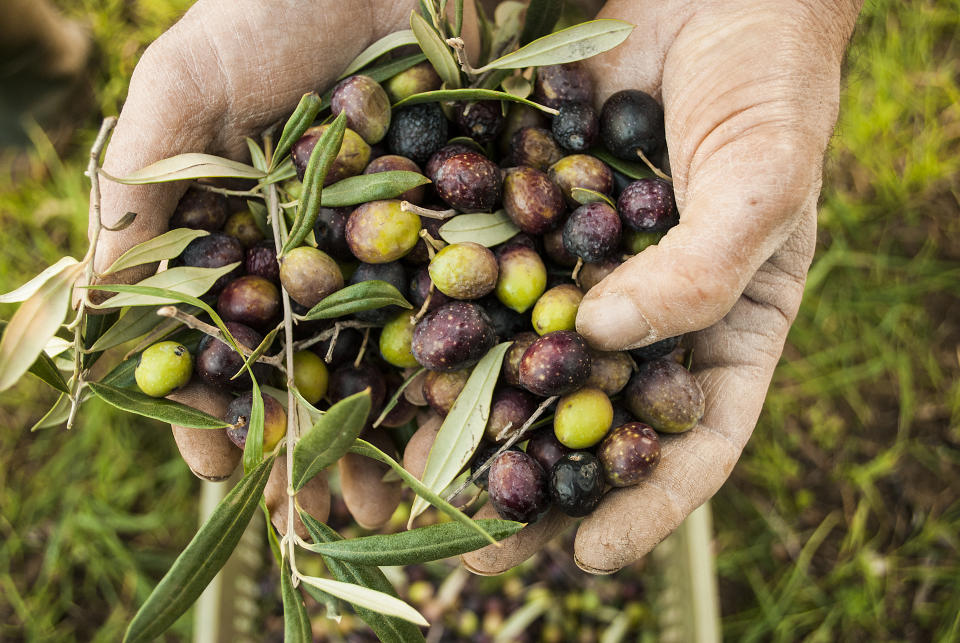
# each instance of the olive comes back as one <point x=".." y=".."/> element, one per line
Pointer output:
<point x="518" y="117"/>
<point x="261" y="260"/>
<point x="485" y="450"/>
<point x="441" y="389"/>
<point x="437" y="158"/>
<point x="415" y="80"/>
<point x="348" y="380"/>
<point x="629" y="454"/>
<point x="522" y="277"/>
<point x="452" y="337"/>
<point x="469" y="182"/>
<point x="250" y="300"/>
<point x="419" y="290"/>
<point x="215" y="250"/>
<point x="553" y="246"/>
<point x="545" y="448"/>
<point x="163" y="367"/>
<point x="345" y="349"/>
<point x="392" y="273"/>
<point x="351" y="159"/>
<point x="243" y="226"/>
<point x="557" y="309"/>
<point x="555" y="364"/>
<point x="532" y="200"/>
<point x="558" y="83"/>
<point x="611" y="371"/>
<point x="511" y="361"/>
<point x="575" y="126"/>
<point x="308" y="275"/>
<point x="582" y="418"/>
<point x="417" y="131"/>
<point x="310" y="376"/>
<point x="330" y="232"/>
<point x="666" y="396"/>
<point x="395" y="339"/>
<point x="365" y="104"/>
<point x="518" y="487"/>
<point x="274" y="421"/>
<point x="509" y="407"/>
<point x="592" y="232"/>
<point x="593" y="273"/>
<point x="505" y="321"/>
<point x="655" y="350"/>
<point x="631" y="121"/>
<point x="647" y="205"/>
<point x="576" y="483"/>
<point x="481" y="120"/>
<point x="217" y="362"/>
<point x="380" y="231"/>
<point x="393" y="163"/>
<point x="581" y="171"/>
<point x="635" y="242"/>
<point x="535" y="147"/>
<point x="200" y="209"/>
<point x="464" y="270"/>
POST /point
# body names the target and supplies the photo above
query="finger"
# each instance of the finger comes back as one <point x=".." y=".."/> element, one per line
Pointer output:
<point x="515" y="549"/>
<point x="734" y="362"/>
<point x="208" y="452"/>
<point x="371" y="501"/>
<point x="314" y="498"/>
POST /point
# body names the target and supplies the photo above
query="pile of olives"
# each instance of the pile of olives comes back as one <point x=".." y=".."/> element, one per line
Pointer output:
<point x="466" y="297"/>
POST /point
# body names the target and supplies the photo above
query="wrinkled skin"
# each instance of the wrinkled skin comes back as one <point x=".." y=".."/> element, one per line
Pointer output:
<point x="746" y="134"/>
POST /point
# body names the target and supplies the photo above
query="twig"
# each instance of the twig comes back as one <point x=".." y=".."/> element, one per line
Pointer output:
<point x="459" y="49"/>
<point x="304" y="344"/>
<point x="433" y="246"/>
<point x="406" y="206"/>
<point x="208" y="329"/>
<point x="253" y="192"/>
<point x="333" y="343"/>
<point x="425" y="307"/>
<point x="363" y="348"/>
<point x="654" y="168"/>
<point x="575" y="275"/>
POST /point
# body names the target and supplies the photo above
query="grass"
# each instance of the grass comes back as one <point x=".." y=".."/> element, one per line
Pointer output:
<point x="841" y="521"/>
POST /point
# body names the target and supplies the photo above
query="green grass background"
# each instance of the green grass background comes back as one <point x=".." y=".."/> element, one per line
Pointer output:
<point x="842" y="520"/>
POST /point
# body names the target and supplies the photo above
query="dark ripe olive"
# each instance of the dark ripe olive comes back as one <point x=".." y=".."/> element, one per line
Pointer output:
<point x="481" y="120"/>
<point x="420" y="254"/>
<point x="274" y="421"/>
<point x="330" y="231"/>
<point x="464" y="270"/>
<point x="665" y="395"/>
<point x="441" y="389"/>
<point x="415" y="80"/>
<point x="647" y="205"/>
<point x="575" y="127"/>
<point x="611" y="371"/>
<point x="261" y="260"/>
<point x="216" y="362"/>
<point x="484" y="452"/>
<point x="518" y="117"/>
<point x="545" y="448"/>
<point x="518" y="487"/>
<point x="657" y="349"/>
<point x="629" y="454"/>
<point x="345" y="349"/>
<point x="553" y="246"/>
<point x="349" y="379"/>
<point x="469" y="182"/>
<point x="556" y="364"/>
<point x="250" y="300"/>
<point x="417" y="131"/>
<point x="567" y="82"/>
<point x="419" y="290"/>
<point x="592" y="231"/>
<point x="381" y="231"/>
<point x="576" y="483"/>
<point x="511" y="361"/>
<point x="243" y="226"/>
<point x="581" y="171"/>
<point x="452" y="337"/>
<point x="593" y="273"/>
<point x="215" y="251"/>
<point x="509" y="407"/>
<point x="392" y="273"/>
<point x="353" y="156"/>
<point x="200" y="209"/>
<point x="620" y="182"/>
<point x="308" y="275"/>
<point x="534" y="147"/>
<point x="437" y="158"/>
<point x="393" y="163"/>
<point x="365" y="105"/>
<point x="506" y="322"/>
<point x="632" y="121"/>
<point x="532" y="200"/>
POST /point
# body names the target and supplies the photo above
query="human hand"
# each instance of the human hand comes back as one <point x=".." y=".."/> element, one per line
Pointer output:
<point x="750" y="93"/>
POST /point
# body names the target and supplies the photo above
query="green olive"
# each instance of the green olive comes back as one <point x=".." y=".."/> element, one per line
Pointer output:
<point x="310" y="376"/>
<point x="582" y="418"/>
<point x="523" y="278"/>
<point x="395" y="340"/>
<point x="163" y="367"/>
<point x="557" y="309"/>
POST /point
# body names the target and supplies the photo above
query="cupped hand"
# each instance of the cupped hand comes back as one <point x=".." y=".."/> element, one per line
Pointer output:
<point x="750" y="93"/>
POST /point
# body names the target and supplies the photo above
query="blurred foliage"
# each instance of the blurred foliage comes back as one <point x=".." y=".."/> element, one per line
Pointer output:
<point x="840" y="523"/>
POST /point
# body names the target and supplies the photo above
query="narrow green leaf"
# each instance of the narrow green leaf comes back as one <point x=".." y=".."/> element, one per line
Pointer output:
<point x="457" y="18"/>
<point x="321" y="158"/>
<point x="27" y="290"/>
<point x="487" y="229"/>
<point x="284" y="171"/>
<point x="567" y="45"/>
<point x="370" y="599"/>
<point x="436" y="51"/>
<point x="258" y="351"/>
<point x="330" y="437"/>
<point x="272" y="539"/>
<point x="157" y="408"/>
<point x="585" y="196"/>
<point x="463" y="427"/>
<point x="196" y="566"/>
<point x="167" y="246"/>
<point x="298" y="123"/>
<point x="259" y="212"/>
<point x="253" y="447"/>
<point x="188" y="166"/>
<point x="381" y="73"/>
<point x="136" y="322"/>
<point x="34" y="323"/>
<point x="541" y="17"/>
<point x="94" y="328"/>
<point x="416" y="546"/>
<point x="628" y="168"/>
<point x="386" y="44"/>
<point x="387" y="629"/>
<point x="370" y="187"/>
<point x="364" y="448"/>
<point x="256" y="155"/>
<point x="396" y="397"/>
<point x="296" y="623"/>
<point x="46" y="370"/>
<point x="171" y="285"/>
<point x="57" y="415"/>
<point x="125" y="222"/>
<point x="365" y="295"/>
<point x="469" y="94"/>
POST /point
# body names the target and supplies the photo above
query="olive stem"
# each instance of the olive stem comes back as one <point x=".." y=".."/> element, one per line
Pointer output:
<point x="363" y="348"/>
<point x="423" y="309"/>
<point x="327" y="334"/>
<point x="576" y="271"/>
<point x="406" y="206"/>
<point x="333" y="343"/>
<point x="433" y="246"/>
<point x="654" y="168"/>
<point x="459" y="49"/>
<point x="253" y="192"/>
<point x="208" y="329"/>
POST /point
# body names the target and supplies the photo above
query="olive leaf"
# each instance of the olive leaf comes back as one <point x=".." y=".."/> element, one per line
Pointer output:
<point x="253" y="446"/>
<point x="567" y="45"/>
<point x="196" y="566"/>
<point x="296" y="623"/>
<point x="436" y="51"/>
<point x="386" y="44"/>
<point x="136" y="322"/>
<point x="584" y="196"/>
<point x="173" y="283"/>
<point x="517" y="86"/>
<point x="321" y="158"/>
<point x="388" y="629"/>
<point x="167" y="246"/>
<point x="57" y="415"/>
<point x="46" y="370"/>
<point x="628" y="168"/>
<point x="487" y="229"/>
<point x="298" y="123"/>
<point x="540" y="18"/>
<point x="446" y="95"/>
<point x="364" y="448"/>
<point x="462" y="429"/>
<point x="330" y="437"/>
<point x="125" y="222"/>
<point x="416" y="546"/>
<point x="256" y="155"/>
<point x="27" y="290"/>
<point x="157" y="408"/>
<point x="370" y="187"/>
<point x="381" y="73"/>
<point x="370" y="599"/>
<point x="192" y="165"/>
<point x="258" y="351"/>
<point x="34" y="323"/>
<point x="396" y="397"/>
<point x="365" y="295"/>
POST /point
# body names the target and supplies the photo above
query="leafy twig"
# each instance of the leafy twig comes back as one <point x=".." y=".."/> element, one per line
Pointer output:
<point x="208" y="329"/>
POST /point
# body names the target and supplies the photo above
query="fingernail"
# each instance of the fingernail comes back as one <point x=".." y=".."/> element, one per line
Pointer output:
<point x="592" y="570"/>
<point x="613" y="322"/>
